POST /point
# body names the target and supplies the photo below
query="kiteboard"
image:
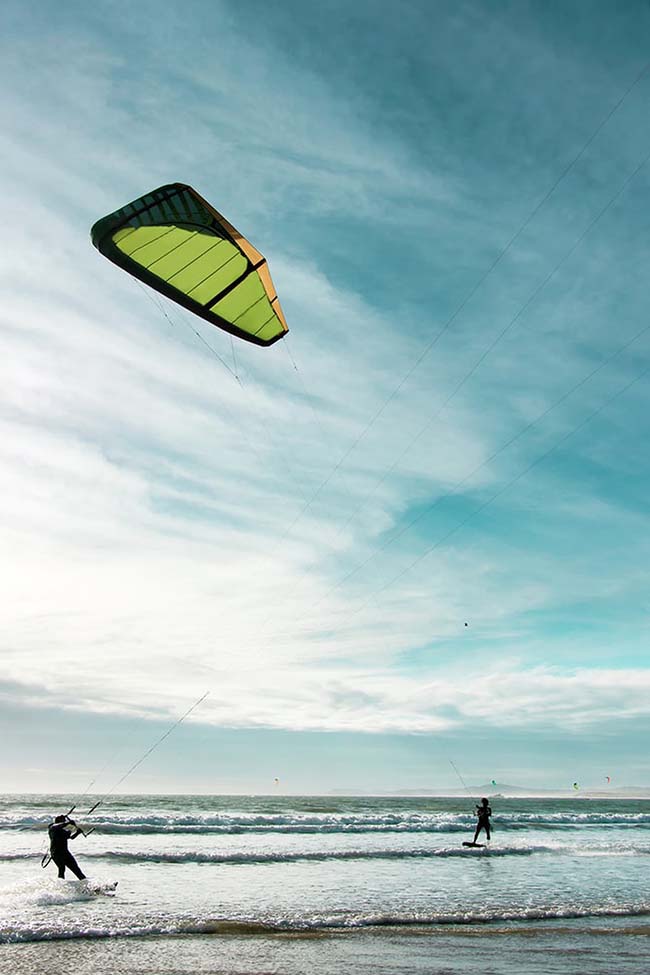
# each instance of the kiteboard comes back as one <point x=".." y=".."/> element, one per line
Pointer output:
<point x="482" y="845"/>
<point x="95" y="888"/>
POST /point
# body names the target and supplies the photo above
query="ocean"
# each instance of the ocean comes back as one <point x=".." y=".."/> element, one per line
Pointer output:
<point x="320" y="885"/>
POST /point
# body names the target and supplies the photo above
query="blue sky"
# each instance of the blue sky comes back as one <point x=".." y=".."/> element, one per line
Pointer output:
<point x="454" y="205"/>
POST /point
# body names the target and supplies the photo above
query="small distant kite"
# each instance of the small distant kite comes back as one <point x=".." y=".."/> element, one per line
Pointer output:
<point x="493" y="782"/>
<point x="609" y="779"/>
<point x="576" y="786"/>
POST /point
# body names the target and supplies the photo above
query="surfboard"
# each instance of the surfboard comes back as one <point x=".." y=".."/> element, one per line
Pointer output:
<point x="482" y="845"/>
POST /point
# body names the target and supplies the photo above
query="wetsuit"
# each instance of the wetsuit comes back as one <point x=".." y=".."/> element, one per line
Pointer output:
<point x="59" y="836"/>
<point x="483" y="813"/>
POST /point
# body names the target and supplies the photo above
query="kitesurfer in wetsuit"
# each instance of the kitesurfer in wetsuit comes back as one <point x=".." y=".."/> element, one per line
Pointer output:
<point x="483" y="813"/>
<point x="62" y="830"/>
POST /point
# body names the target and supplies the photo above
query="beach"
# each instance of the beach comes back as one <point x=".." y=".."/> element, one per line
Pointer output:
<point x="238" y="884"/>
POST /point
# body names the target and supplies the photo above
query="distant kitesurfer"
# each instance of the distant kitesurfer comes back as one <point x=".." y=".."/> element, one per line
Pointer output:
<point x="62" y="830"/>
<point x="483" y="812"/>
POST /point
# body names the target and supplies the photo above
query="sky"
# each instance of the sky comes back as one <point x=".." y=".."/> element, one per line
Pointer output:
<point x="413" y="533"/>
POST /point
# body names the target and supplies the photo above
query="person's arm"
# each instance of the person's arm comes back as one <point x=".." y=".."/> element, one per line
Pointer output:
<point x="72" y="829"/>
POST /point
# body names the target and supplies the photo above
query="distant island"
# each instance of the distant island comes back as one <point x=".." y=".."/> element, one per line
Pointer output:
<point x="502" y="790"/>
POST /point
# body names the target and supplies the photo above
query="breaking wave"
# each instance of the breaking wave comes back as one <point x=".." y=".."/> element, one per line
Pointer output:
<point x="229" y="824"/>
<point x="243" y="927"/>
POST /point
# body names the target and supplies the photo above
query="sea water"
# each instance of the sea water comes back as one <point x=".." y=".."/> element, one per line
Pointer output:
<point x="238" y="884"/>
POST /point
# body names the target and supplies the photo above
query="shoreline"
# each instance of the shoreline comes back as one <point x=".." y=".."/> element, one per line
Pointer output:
<point x="524" y="949"/>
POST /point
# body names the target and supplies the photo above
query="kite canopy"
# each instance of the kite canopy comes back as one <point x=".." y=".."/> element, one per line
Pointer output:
<point x="174" y="241"/>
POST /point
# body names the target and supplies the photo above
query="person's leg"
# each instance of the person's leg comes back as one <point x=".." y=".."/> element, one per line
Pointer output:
<point x="487" y="832"/>
<point x="72" y="864"/>
<point x="60" y="865"/>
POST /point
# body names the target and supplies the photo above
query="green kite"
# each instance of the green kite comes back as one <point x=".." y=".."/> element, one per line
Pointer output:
<point x="174" y="241"/>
